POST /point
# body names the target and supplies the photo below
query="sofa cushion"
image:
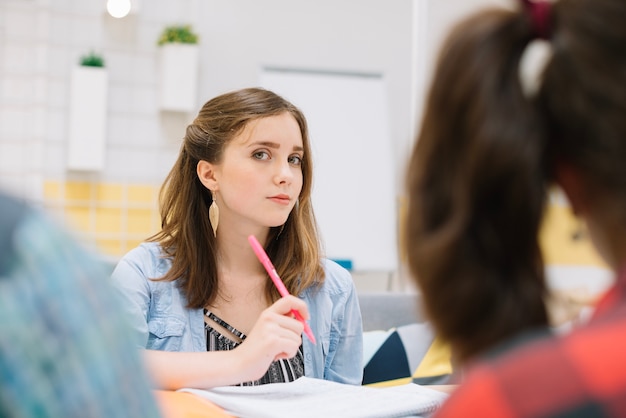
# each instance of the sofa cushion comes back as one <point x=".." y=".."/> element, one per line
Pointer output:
<point x="404" y="354"/>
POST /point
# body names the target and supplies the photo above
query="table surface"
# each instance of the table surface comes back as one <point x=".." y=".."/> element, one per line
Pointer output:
<point x="187" y="405"/>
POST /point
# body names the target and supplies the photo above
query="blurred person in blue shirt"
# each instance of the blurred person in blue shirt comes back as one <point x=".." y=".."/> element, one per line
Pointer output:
<point x="65" y="348"/>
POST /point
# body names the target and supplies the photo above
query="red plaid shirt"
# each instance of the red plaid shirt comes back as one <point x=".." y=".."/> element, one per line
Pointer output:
<point x="582" y="374"/>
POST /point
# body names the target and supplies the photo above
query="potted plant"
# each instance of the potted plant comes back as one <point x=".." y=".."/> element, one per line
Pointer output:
<point x="92" y="59"/>
<point x="179" y="59"/>
<point x="88" y="114"/>
<point x="182" y="34"/>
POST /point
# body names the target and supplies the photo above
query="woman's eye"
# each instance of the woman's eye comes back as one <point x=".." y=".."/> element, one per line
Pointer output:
<point x="261" y="155"/>
<point x="295" y="160"/>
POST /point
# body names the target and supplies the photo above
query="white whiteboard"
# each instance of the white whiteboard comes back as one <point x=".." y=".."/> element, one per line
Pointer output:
<point x="353" y="172"/>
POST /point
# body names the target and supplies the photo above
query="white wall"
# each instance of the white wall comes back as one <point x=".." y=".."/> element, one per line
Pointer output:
<point x="41" y="40"/>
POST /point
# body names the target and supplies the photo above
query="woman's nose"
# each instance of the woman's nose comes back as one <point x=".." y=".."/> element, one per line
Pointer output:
<point x="284" y="172"/>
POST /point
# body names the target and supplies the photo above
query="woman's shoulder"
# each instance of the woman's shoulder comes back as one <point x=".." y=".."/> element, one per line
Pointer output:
<point x="145" y="250"/>
<point x="147" y="257"/>
<point x="337" y="278"/>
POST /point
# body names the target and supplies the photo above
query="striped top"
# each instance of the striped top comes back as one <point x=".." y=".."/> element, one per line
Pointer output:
<point x="280" y="371"/>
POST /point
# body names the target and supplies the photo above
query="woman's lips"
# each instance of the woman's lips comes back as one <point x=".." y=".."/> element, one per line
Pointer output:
<point x="280" y="199"/>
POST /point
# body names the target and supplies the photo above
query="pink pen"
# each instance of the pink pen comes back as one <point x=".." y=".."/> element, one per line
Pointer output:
<point x="271" y="270"/>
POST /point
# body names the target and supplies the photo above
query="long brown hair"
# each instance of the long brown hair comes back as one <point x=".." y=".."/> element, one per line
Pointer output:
<point x="186" y="235"/>
<point x="478" y="176"/>
<point x="476" y="190"/>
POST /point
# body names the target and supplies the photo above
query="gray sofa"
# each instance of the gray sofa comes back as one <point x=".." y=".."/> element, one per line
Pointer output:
<point x="385" y="310"/>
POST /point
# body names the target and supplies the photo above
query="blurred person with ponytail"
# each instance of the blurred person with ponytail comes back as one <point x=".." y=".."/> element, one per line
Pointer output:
<point x="496" y="135"/>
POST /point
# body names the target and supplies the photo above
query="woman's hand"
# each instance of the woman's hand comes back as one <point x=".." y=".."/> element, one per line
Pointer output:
<point x="275" y="335"/>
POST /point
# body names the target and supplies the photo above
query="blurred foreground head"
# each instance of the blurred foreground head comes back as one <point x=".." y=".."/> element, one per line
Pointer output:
<point x="494" y="137"/>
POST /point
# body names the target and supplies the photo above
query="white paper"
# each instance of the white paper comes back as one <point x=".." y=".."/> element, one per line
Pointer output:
<point x="315" y="398"/>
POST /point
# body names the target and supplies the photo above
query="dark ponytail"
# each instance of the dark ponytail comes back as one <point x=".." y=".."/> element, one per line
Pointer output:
<point x="477" y="188"/>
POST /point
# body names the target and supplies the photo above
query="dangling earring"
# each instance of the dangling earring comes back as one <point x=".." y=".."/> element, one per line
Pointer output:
<point x="214" y="214"/>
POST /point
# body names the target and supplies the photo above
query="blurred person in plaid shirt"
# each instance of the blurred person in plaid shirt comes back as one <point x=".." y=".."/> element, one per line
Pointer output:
<point x="65" y="348"/>
<point x="523" y="99"/>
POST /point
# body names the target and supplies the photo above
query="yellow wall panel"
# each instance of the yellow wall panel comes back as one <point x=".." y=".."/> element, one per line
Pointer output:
<point x="79" y="217"/>
<point x="156" y="222"/>
<point x="142" y="194"/>
<point x="78" y="190"/>
<point x="112" y="247"/>
<point x="139" y="221"/>
<point x="109" y="192"/>
<point x="108" y="220"/>
<point x="116" y="217"/>
<point x="132" y="243"/>
<point x="564" y="242"/>
<point x="52" y="190"/>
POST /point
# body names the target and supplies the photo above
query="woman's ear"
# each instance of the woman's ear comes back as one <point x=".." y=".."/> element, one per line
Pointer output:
<point x="572" y="184"/>
<point x="206" y="174"/>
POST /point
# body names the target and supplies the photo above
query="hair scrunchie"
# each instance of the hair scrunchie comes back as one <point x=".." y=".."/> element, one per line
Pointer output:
<point x="540" y="15"/>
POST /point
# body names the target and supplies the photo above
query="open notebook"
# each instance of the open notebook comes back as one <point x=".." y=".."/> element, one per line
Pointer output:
<point x="308" y="397"/>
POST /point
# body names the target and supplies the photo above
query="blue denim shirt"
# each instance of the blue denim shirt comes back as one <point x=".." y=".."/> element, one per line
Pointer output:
<point x="158" y="313"/>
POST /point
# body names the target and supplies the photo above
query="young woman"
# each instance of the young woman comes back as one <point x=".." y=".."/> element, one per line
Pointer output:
<point x="489" y="148"/>
<point x="202" y="304"/>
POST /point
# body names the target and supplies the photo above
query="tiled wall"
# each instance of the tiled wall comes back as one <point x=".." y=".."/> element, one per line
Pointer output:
<point x="41" y="42"/>
<point x="113" y="218"/>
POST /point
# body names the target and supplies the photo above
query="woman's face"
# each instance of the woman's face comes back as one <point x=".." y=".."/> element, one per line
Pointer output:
<point x="260" y="176"/>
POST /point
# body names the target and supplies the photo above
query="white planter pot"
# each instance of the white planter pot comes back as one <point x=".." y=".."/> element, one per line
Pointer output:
<point x="88" y="119"/>
<point x="179" y="77"/>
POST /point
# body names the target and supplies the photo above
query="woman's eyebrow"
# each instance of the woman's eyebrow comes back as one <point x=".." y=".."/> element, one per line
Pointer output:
<point x="268" y="144"/>
<point x="274" y="145"/>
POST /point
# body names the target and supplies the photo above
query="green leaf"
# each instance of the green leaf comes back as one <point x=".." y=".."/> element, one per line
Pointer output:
<point x="92" y="60"/>
<point x="183" y="34"/>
